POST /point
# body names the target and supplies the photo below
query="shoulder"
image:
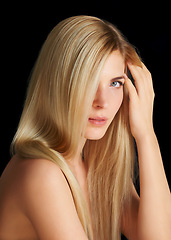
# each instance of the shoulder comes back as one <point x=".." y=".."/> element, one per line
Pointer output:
<point x="22" y="173"/>
<point x="40" y="170"/>
<point x="47" y="200"/>
<point x="41" y="180"/>
<point x="32" y="178"/>
<point x="27" y="174"/>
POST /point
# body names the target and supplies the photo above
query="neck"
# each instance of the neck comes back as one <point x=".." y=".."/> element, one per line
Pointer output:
<point x="77" y="160"/>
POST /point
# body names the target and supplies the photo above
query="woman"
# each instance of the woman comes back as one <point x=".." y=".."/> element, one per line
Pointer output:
<point x="71" y="175"/>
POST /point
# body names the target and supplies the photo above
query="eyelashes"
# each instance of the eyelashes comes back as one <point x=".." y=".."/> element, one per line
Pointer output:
<point x="116" y="84"/>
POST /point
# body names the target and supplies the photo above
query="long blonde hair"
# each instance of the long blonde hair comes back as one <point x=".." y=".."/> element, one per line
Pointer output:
<point x="60" y="94"/>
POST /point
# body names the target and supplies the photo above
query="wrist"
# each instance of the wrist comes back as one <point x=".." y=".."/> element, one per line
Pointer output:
<point x="146" y="137"/>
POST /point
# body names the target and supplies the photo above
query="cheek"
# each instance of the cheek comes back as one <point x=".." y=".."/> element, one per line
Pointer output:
<point x="115" y="102"/>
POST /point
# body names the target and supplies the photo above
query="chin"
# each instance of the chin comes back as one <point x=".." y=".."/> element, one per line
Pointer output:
<point x="95" y="134"/>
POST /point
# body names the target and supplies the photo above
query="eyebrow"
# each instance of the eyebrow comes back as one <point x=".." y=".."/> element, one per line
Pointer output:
<point x="118" y="78"/>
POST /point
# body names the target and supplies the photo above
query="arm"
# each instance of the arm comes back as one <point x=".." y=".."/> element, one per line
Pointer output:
<point x="155" y="202"/>
<point x="48" y="202"/>
<point x="154" y="212"/>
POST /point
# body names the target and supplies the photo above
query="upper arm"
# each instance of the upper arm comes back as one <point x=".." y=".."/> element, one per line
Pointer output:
<point x="130" y="218"/>
<point x="49" y="204"/>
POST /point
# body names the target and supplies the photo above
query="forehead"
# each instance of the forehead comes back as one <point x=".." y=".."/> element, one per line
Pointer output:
<point x="114" y="65"/>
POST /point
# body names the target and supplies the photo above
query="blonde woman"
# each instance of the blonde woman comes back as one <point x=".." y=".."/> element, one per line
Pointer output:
<point x="71" y="174"/>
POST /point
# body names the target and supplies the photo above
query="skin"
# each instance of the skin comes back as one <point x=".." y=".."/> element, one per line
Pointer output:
<point x="109" y="95"/>
<point x="154" y="213"/>
<point x="35" y="199"/>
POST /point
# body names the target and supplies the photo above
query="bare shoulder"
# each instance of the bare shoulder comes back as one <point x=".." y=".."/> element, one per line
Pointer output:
<point x="49" y="202"/>
<point x="46" y="199"/>
<point x="27" y="174"/>
<point x="40" y="179"/>
<point x="39" y="170"/>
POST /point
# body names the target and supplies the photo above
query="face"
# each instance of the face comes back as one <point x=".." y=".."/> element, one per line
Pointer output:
<point x="109" y="97"/>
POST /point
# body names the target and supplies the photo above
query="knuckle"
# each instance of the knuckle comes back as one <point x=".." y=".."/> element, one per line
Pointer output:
<point x="152" y="94"/>
<point x="149" y="74"/>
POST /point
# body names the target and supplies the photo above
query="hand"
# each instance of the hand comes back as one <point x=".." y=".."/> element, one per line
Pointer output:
<point x="141" y="99"/>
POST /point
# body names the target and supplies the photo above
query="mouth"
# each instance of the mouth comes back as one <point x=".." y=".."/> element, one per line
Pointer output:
<point x="97" y="121"/>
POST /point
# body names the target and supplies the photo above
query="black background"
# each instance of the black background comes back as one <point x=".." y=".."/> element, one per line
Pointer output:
<point x="25" y="26"/>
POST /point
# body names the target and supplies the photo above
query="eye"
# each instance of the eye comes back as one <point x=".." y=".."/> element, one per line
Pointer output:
<point x="116" y="84"/>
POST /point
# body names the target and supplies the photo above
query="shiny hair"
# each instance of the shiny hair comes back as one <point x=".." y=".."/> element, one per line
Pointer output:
<point x="60" y="94"/>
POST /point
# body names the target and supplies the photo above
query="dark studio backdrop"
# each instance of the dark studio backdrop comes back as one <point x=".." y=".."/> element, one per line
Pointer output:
<point x="25" y="27"/>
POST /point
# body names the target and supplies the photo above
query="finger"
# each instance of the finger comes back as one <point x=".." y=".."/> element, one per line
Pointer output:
<point x="136" y="72"/>
<point x="149" y="81"/>
<point x="131" y="88"/>
<point x="140" y="79"/>
<point x="145" y="68"/>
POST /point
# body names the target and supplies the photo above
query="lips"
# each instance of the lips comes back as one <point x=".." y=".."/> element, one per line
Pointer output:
<point x="98" y="121"/>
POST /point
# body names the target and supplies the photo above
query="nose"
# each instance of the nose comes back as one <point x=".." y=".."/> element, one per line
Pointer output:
<point x="101" y="99"/>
